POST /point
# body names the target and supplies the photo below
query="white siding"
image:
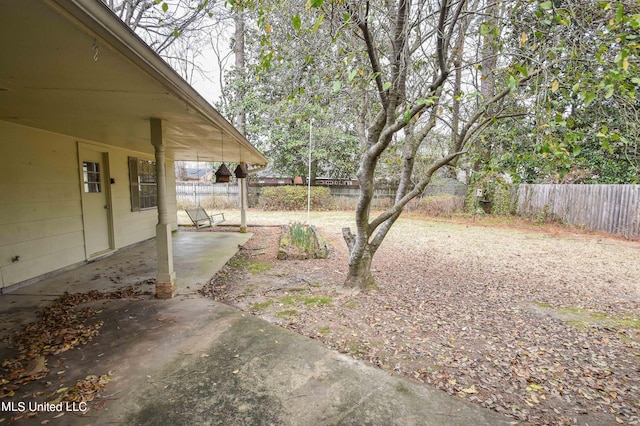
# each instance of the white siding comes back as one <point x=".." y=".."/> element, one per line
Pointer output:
<point x="40" y="209"/>
<point x="40" y="202"/>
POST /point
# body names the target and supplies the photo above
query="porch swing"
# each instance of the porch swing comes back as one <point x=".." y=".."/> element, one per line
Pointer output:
<point x="198" y="215"/>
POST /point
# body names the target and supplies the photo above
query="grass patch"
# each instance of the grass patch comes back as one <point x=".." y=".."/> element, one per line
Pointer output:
<point x="237" y="262"/>
<point x="318" y="301"/>
<point x="572" y="310"/>
<point x="582" y="318"/>
<point x="351" y="303"/>
<point x="261" y="306"/>
<point x="291" y="299"/>
<point x="288" y="313"/>
<point x="294" y="299"/>
<point x="356" y="350"/>
<point x="297" y="289"/>
<point x="250" y="266"/>
<point x="630" y="321"/>
<point x="324" y="330"/>
<point x="258" y="267"/>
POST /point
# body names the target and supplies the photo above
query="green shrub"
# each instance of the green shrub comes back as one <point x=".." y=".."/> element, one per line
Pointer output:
<point x="294" y="198"/>
<point x="497" y="195"/>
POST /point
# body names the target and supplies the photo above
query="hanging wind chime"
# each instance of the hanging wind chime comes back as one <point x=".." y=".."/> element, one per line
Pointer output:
<point x="222" y="174"/>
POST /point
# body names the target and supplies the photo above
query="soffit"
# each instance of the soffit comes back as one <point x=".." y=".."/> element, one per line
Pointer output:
<point x="66" y="71"/>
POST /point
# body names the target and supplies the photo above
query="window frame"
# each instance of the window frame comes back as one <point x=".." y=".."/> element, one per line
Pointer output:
<point x="143" y="185"/>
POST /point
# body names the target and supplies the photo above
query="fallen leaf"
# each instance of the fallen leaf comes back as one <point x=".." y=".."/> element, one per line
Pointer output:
<point x="471" y="389"/>
<point x="35" y="367"/>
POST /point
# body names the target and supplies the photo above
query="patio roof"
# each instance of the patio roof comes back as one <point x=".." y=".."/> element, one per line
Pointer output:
<point x="72" y="67"/>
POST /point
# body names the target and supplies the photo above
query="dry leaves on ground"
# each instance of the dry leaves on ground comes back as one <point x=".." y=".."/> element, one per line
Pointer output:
<point x="63" y="325"/>
<point x="542" y="327"/>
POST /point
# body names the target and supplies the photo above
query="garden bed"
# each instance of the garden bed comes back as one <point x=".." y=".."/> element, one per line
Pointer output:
<point x="299" y="241"/>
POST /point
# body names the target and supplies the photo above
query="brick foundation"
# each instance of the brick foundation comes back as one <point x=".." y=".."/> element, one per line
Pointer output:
<point x="166" y="290"/>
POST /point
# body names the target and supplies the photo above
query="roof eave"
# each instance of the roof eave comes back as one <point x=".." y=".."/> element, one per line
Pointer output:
<point x="94" y="14"/>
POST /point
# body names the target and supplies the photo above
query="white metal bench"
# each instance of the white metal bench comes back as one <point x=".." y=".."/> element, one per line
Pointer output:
<point x="201" y="219"/>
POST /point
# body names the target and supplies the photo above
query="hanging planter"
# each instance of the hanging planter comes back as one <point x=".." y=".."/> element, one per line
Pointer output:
<point x="240" y="172"/>
<point x="223" y="174"/>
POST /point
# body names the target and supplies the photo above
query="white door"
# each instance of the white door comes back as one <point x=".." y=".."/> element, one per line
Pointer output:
<point x="96" y="209"/>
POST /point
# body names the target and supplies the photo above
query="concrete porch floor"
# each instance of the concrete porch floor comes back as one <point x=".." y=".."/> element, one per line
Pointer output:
<point x="192" y="361"/>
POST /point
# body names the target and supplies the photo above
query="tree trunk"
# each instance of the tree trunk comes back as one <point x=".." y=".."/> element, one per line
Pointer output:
<point x="238" y="19"/>
<point x="314" y="171"/>
<point x="359" y="262"/>
<point x="450" y="170"/>
<point x="487" y="80"/>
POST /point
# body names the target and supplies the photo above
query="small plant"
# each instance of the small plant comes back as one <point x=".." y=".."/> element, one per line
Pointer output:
<point x="546" y="216"/>
<point x="301" y="236"/>
<point x="490" y="193"/>
<point x="301" y="241"/>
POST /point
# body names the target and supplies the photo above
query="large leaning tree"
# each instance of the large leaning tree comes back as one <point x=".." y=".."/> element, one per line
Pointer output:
<point x="455" y="67"/>
<point x="413" y="73"/>
<point x="415" y="54"/>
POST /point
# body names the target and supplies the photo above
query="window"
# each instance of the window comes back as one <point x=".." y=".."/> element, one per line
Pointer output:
<point x="91" y="173"/>
<point x="142" y="179"/>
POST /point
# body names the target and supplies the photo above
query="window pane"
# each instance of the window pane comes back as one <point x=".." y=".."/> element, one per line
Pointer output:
<point x="91" y="176"/>
<point x="144" y="192"/>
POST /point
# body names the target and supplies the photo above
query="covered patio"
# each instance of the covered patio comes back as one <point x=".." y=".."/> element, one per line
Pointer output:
<point x="197" y="258"/>
<point x="92" y="122"/>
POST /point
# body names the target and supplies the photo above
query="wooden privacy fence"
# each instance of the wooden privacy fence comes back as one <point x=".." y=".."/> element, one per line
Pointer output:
<point x="610" y="208"/>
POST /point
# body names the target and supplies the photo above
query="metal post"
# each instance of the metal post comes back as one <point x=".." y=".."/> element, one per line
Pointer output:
<point x="309" y="177"/>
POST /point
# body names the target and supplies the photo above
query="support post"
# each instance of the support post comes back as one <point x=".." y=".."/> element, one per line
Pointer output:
<point x="243" y="201"/>
<point x="166" y="287"/>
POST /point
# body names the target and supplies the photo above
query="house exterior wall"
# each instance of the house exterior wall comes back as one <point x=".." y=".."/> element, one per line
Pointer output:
<point x="41" y="215"/>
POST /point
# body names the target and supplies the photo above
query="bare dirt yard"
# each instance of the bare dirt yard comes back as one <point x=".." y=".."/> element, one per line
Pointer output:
<point x="540" y="323"/>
